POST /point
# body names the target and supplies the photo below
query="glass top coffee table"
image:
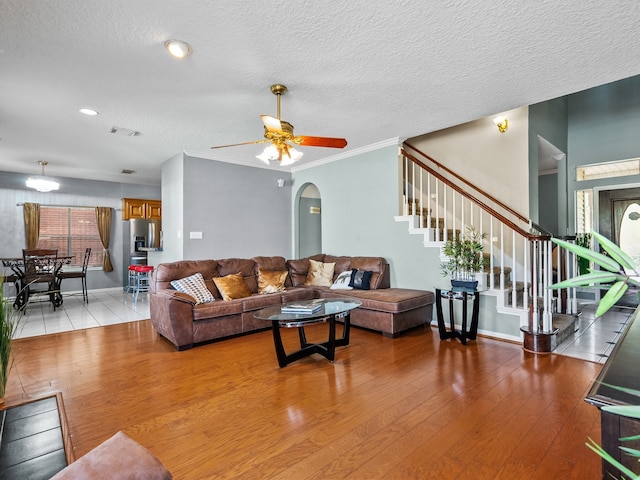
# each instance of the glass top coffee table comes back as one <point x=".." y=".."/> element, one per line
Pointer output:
<point x="330" y="310"/>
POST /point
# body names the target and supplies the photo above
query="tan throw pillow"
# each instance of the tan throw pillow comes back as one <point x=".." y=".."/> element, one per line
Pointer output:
<point x="271" y="281"/>
<point x="320" y="274"/>
<point x="232" y="286"/>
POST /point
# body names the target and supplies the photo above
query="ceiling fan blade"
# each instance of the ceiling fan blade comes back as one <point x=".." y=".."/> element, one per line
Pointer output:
<point x="306" y="141"/>
<point x="271" y="123"/>
<point x="244" y="143"/>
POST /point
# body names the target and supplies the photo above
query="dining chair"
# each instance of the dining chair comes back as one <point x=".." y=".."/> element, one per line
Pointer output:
<point x="39" y="268"/>
<point x="82" y="274"/>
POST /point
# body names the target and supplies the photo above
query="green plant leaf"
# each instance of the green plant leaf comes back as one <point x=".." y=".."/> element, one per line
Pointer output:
<point x="608" y="458"/>
<point x="597" y="276"/>
<point x="631" y="411"/>
<point x="613" y="295"/>
<point x="615" y="252"/>
<point x="630" y="391"/>
<point x="631" y="451"/>
<point x="630" y="439"/>
<point x="605" y="262"/>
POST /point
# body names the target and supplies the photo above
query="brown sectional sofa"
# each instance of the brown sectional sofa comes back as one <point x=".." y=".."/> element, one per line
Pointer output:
<point x="178" y="318"/>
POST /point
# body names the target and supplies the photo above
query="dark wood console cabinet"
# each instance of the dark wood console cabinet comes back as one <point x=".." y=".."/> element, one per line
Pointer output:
<point x="621" y="369"/>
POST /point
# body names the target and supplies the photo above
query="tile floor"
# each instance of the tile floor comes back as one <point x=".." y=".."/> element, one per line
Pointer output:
<point x="595" y="338"/>
<point x="105" y="307"/>
<point x="593" y="341"/>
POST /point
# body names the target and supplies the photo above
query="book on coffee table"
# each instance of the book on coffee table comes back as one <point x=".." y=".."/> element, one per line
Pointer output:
<point x="301" y="308"/>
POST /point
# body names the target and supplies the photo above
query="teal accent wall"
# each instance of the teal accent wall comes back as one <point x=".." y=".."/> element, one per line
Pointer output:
<point x="310" y="236"/>
<point x="603" y="126"/>
<point x="359" y="202"/>
<point x="549" y="121"/>
<point x="548" y="201"/>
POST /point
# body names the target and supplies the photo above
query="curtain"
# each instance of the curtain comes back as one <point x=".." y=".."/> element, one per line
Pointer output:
<point x="31" y="213"/>
<point x="103" y="219"/>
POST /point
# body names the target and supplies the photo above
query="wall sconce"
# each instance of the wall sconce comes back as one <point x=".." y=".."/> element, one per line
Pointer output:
<point x="281" y="182"/>
<point x="502" y="123"/>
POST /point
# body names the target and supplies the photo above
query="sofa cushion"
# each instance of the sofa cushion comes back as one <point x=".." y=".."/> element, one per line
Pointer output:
<point x="271" y="281"/>
<point x="165" y="272"/>
<point x="207" y="311"/>
<point x="391" y="300"/>
<point x="376" y="265"/>
<point x="343" y="264"/>
<point x="194" y="286"/>
<point x="256" y="302"/>
<point x="245" y="266"/>
<point x="295" y="294"/>
<point x="360" y="279"/>
<point x="232" y="286"/>
<point x="298" y="269"/>
<point x="320" y="274"/>
<point x="342" y="281"/>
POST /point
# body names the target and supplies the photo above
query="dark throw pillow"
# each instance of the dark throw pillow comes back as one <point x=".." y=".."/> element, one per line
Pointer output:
<point x="360" y="279"/>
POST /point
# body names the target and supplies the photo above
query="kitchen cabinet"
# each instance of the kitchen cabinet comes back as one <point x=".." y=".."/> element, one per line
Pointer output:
<point x="141" y="208"/>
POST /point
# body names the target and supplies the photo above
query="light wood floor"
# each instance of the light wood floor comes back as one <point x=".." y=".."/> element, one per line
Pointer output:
<point x="411" y="407"/>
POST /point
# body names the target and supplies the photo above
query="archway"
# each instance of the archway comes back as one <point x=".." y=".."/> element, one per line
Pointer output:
<point x="309" y="216"/>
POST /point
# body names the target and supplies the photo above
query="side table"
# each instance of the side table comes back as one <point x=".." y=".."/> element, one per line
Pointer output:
<point x="463" y="295"/>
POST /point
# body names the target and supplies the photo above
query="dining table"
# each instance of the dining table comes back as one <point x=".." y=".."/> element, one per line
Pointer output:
<point x="28" y="275"/>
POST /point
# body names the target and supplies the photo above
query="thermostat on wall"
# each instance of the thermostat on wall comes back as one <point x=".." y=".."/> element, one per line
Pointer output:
<point x="195" y="235"/>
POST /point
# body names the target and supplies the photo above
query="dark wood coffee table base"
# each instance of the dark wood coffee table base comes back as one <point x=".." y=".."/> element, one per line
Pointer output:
<point x="326" y="349"/>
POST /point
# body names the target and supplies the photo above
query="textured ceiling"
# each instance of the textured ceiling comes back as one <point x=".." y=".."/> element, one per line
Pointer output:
<point x="366" y="70"/>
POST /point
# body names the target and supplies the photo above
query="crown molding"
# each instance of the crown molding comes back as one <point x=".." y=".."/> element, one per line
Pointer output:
<point x="395" y="141"/>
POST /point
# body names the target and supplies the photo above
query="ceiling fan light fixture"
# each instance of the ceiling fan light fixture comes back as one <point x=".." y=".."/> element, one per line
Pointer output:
<point x="178" y="48"/>
<point x="269" y="153"/>
<point x="42" y="183"/>
<point x="292" y="157"/>
<point x="288" y="157"/>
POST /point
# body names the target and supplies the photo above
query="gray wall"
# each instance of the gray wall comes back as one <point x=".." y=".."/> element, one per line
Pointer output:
<point x="240" y="210"/>
<point x="73" y="192"/>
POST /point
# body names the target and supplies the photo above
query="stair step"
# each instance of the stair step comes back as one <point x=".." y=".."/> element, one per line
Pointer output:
<point x="566" y="326"/>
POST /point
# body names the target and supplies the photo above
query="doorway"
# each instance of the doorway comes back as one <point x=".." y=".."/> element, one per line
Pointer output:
<point x="619" y="220"/>
<point x="309" y="221"/>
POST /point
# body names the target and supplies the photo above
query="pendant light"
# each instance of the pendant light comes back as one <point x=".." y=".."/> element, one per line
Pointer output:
<point x="42" y="183"/>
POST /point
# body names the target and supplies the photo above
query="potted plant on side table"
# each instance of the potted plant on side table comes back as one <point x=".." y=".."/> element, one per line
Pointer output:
<point x="465" y="259"/>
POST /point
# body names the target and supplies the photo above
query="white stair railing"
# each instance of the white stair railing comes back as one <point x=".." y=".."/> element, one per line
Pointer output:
<point x="519" y="251"/>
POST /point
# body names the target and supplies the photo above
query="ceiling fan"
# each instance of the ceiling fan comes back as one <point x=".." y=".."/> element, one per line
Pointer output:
<point x="280" y="134"/>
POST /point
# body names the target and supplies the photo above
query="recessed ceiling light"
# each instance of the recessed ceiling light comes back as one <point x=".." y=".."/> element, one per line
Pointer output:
<point x="178" y="48"/>
<point x="89" y="111"/>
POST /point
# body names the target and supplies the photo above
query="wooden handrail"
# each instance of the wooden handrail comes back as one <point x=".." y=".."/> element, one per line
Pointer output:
<point x="466" y="182"/>
<point x="477" y="201"/>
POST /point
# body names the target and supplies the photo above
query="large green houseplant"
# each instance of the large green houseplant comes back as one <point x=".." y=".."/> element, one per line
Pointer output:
<point x="9" y="320"/>
<point x="618" y="274"/>
<point x="465" y="257"/>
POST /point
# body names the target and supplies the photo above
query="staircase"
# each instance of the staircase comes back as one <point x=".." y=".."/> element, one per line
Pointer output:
<point x="439" y="205"/>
